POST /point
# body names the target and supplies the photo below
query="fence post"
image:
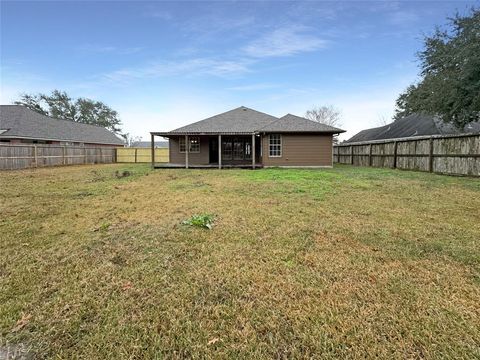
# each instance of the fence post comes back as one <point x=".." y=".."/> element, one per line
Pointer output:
<point x="135" y="155"/>
<point x="64" y="149"/>
<point x="101" y="155"/>
<point x="35" y="155"/>
<point x="370" y="155"/>
<point x="430" y="156"/>
<point x="351" y="154"/>
<point x="84" y="155"/>
<point x="152" y="149"/>
<point x="394" y="154"/>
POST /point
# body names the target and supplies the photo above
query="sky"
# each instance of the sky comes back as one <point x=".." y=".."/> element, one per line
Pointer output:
<point x="163" y="65"/>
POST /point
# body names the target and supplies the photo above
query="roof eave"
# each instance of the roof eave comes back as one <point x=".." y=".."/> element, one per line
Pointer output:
<point x="302" y="132"/>
<point x="202" y="133"/>
<point x="6" y="136"/>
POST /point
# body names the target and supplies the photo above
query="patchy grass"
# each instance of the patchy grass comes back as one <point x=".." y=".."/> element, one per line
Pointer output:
<point x="342" y="263"/>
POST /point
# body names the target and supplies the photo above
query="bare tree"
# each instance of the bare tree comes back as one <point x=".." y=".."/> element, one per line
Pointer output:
<point x="383" y="120"/>
<point x="130" y="140"/>
<point x="326" y="114"/>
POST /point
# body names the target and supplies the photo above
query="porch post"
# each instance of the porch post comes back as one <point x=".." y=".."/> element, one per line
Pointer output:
<point x="153" y="150"/>
<point x="187" y="146"/>
<point x="219" y="151"/>
<point x="253" y="151"/>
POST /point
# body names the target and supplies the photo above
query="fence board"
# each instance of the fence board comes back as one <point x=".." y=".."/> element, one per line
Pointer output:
<point x="141" y="155"/>
<point x="453" y="154"/>
<point x="22" y="156"/>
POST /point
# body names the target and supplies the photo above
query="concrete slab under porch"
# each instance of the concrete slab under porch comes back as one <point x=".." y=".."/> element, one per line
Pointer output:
<point x="206" y="166"/>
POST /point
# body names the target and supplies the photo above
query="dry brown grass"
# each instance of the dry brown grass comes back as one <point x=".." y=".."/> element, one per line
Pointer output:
<point x="341" y="263"/>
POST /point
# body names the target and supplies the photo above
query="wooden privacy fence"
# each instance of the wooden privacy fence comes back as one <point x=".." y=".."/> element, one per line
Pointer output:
<point x="141" y="155"/>
<point x="24" y="156"/>
<point x="453" y="154"/>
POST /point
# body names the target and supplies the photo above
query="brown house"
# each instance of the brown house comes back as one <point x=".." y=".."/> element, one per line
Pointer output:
<point x="244" y="137"/>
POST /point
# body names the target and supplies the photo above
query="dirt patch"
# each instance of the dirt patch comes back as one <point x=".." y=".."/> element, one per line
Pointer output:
<point x="122" y="174"/>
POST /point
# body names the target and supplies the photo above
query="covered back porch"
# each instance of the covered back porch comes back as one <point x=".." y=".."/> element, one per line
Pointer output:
<point x="211" y="150"/>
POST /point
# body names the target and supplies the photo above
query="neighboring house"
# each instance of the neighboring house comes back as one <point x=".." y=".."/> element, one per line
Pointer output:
<point x="245" y="137"/>
<point x="148" y="144"/>
<point x="19" y="125"/>
<point x="413" y="125"/>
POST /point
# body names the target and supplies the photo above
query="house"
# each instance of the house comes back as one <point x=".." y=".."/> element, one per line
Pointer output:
<point x="147" y="144"/>
<point x="413" y="125"/>
<point x="19" y="125"/>
<point x="244" y="137"/>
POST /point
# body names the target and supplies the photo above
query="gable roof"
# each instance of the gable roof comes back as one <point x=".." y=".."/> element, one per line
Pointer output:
<point x="413" y="125"/>
<point x="18" y="121"/>
<point x="243" y="120"/>
<point x="293" y="123"/>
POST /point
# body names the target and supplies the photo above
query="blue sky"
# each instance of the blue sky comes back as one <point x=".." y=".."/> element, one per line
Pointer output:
<point x="166" y="64"/>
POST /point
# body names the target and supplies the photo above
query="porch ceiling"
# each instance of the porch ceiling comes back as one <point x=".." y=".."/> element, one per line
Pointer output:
<point x="170" y="134"/>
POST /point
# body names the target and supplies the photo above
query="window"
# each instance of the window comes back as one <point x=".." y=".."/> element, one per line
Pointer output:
<point x="227" y="146"/>
<point x="275" y="145"/>
<point x="248" y="150"/>
<point x="194" y="144"/>
<point x="181" y="143"/>
<point x="237" y="149"/>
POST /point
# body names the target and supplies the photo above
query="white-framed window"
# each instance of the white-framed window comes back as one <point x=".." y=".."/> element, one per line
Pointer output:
<point x="181" y="143"/>
<point x="194" y="144"/>
<point x="275" y="145"/>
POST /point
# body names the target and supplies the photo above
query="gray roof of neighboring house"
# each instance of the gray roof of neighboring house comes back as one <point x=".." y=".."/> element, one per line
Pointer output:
<point x="293" y="123"/>
<point x="413" y="125"/>
<point x="147" y="144"/>
<point x="21" y="122"/>
<point x="244" y="120"/>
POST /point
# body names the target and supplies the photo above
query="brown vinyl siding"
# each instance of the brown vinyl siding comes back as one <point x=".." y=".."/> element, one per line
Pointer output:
<point x="300" y="150"/>
<point x="201" y="158"/>
<point x="297" y="150"/>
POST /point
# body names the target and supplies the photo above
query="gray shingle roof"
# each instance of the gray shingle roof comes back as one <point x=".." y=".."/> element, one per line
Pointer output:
<point x="413" y="125"/>
<point x="239" y="120"/>
<point x="21" y="122"/>
<point x="244" y="120"/>
<point x="293" y="123"/>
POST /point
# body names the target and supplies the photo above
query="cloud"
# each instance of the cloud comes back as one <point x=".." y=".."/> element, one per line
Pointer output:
<point x="159" y="14"/>
<point x="213" y="24"/>
<point x="15" y="82"/>
<point x="107" y="49"/>
<point x="253" y="87"/>
<point x="403" y="18"/>
<point x="192" y="67"/>
<point x="9" y="94"/>
<point x="284" y="42"/>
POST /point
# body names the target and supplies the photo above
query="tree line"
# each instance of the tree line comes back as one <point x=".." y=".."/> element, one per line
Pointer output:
<point x="449" y="84"/>
<point x="60" y="105"/>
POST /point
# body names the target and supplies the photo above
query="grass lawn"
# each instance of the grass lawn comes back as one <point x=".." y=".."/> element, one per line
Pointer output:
<point x="347" y="263"/>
